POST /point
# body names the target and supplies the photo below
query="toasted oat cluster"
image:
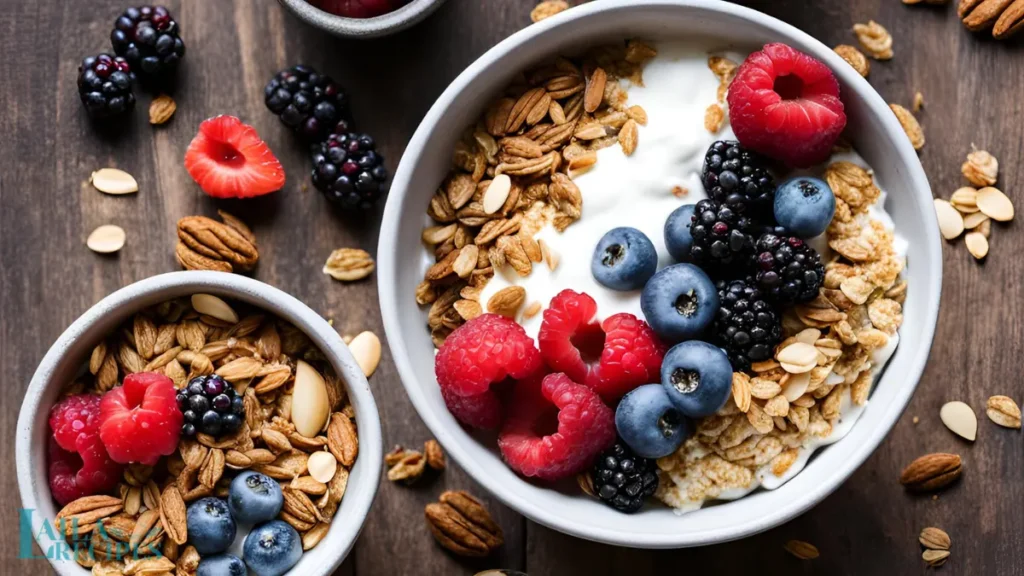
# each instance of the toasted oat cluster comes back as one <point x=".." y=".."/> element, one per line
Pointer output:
<point x="144" y="526"/>
<point x="513" y="173"/>
<point x="824" y="361"/>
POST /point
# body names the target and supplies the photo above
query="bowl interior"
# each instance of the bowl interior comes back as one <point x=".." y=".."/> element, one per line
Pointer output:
<point x="402" y="261"/>
<point x="65" y="361"/>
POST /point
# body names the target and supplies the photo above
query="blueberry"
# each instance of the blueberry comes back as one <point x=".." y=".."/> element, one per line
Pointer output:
<point x="697" y="377"/>
<point x="677" y="233"/>
<point x="221" y="565"/>
<point x="649" y="422"/>
<point x="271" y="549"/>
<point x="624" y="259"/>
<point x="805" y="206"/>
<point x="680" y="301"/>
<point x="211" y="529"/>
<point x="254" y="497"/>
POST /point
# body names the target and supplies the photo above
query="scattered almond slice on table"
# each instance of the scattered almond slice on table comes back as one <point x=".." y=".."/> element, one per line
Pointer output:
<point x="161" y="109"/>
<point x="366" y="349"/>
<point x="106" y="239"/>
<point x="977" y="245"/>
<point x="951" y="223"/>
<point x="349" y="264"/>
<point x="935" y="558"/>
<point x="1003" y="411"/>
<point x="994" y="204"/>
<point x="547" y="9"/>
<point x="960" y="419"/>
<point x="113" y="181"/>
<point x="802" y="550"/>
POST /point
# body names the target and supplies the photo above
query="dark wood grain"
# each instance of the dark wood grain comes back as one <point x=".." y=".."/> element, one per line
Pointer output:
<point x="972" y="88"/>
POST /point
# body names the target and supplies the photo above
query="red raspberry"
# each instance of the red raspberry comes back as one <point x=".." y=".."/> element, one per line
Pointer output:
<point x="554" y="430"/>
<point x="478" y="354"/>
<point x="570" y="338"/>
<point x="75" y="416"/>
<point x="785" y="105"/>
<point x="86" y="472"/>
<point x="140" y="420"/>
<point x="631" y="357"/>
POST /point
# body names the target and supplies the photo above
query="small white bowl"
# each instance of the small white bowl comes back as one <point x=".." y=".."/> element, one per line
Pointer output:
<point x="401" y="263"/>
<point x="377" y="26"/>
<point x="66" y="357"/>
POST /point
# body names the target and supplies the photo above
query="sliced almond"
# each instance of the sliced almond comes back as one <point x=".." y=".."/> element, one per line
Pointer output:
<point x="322" y="465"/>
<point x="977" y="245"/>
<point x="972" y="221"/>
<point x="106" y="239"/>
<point x="114" y="181"/>
<point x="960" y="419"/>
<point x="951" y="223"/>
<point x="211" y="305"/>
<point x="994" y="204"/>
<point x="796" y="386"/>
<point x="965" y="200"/>
<point x="366" y="349"/>
<point x="310" y="405"/>
<point x="497" y="193"/>
<point x="798" y="354"/>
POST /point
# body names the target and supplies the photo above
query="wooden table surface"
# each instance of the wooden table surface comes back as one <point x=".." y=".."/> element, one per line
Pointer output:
<point x="972" y="88"/>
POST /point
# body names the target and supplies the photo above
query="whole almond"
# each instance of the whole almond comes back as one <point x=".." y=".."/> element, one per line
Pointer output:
<point x="931" y="472"/>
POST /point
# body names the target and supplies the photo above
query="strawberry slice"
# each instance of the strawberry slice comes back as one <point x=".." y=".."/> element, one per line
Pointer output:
<point x="229" y="160"/>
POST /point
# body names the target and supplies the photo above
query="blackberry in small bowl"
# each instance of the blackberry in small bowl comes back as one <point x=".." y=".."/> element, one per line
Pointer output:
<point x="348" y="169"/>
<point x="308" y="102"/>
<point x="721" y="237"/>
<point x="746" y="326"/>
<point x="738" y="178"/>
<point x="622" y="479"/>
<point x="210" y="406"/>
<point x="786" y="269"/>
<point x="105" y="86"/>
<point x="147" y="37"/>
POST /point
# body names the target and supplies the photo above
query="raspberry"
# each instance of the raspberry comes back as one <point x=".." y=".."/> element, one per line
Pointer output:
<point x="631" y="357"/>
<point x="140" y="421"/>
<point x="570" y="339"/>
<point x="73" y="417"/>
<point x="86" y="472"/>
<point x="480" y="353"/>
<point x="785" y="105"/>
<point x="554" y="430"/>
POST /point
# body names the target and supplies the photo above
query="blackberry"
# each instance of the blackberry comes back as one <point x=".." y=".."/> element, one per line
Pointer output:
<point x="721" y="237"/>
<point x="737" y="177"/>
<point x="308" y="102"/>
<point x="786" y="269"/>
<point x="622" y="479"/>
<point x="348" y="170"/>
<point x="210" y="406"/>
<point x="746" y="326"/>
<point x="147" y="37"/>
<point x="105" y="86"/>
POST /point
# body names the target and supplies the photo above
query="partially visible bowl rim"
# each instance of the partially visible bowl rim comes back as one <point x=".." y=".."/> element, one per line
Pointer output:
<point x="394" y="21"/>
<point x="387" y="282"/>
<point x="315" y="327"/>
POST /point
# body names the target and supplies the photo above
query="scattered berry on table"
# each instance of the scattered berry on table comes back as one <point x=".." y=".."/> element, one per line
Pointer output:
<point x="147" y="37"/>
<point x="747" y="326"/>
<point x="721" y="237"/>
<point x="738" y="178"/>
<point x="140" y="420"/>
<point x="306" y="101"/>
<point x="254" y="498"/>
<point x="678" y="239"/>
<point x="210" y="406"/>
<point x="622" y="479"/>
<point x="105" y="86"/>
<point x="649" y="423"/>
<point x="481" y="353"/>
<point x="631" y="356"/>
<point x="805" y="206"/>
<point x="74" y="417"/>
<point x="787" y="269"/>
<point x="221" y="565"/>
<point x="697" y="377"/>
<point x="271" y="549"/>
<point x="348" y="169"/>
<point x="210" y="527"/>
<point x="86" y="471"/>
<point x="359" y="8"/>
<point x="555" y="428"/>
<point x="785" y="105"/>
<point x="624" y="259"/>
<point x="229" y="160"/>
<point x="679" y="302"/>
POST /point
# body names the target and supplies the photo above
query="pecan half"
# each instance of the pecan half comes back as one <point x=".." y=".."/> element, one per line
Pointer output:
<point x="205" y="244"/>
<point x="461" y="524"/>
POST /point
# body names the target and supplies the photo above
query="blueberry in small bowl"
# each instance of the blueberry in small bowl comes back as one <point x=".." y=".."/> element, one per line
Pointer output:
<point x="650" y="423"/>
<point x="805" y="206"/>
<point x="624" y="259"/>
<point x="211" y="529"/>
<point x="254" y="497"/>
<point x="697" y="377"/>
<point x="272" y="549"/>
<point x="221" y="565"/>
<point x="678" y="239"/>
<point x="679" y="302"/>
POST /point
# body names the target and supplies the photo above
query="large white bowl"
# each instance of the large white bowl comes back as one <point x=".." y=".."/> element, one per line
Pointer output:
<point x="65" y="359"/>
<point x="877" y="136"/>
